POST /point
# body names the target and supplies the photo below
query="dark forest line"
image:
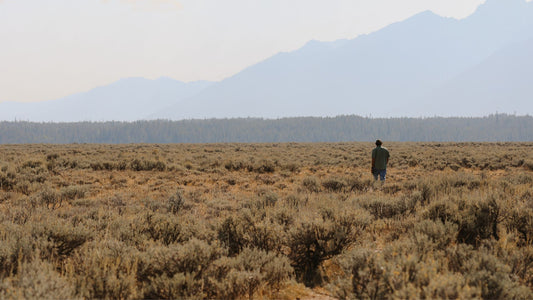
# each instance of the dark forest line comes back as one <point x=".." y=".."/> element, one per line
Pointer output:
<point x="493" y="128"/>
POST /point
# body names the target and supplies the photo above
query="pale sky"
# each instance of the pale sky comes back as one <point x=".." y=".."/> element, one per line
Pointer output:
<point x="53" y="48"/>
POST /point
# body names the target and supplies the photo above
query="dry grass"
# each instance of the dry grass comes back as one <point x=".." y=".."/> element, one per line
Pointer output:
<point x="266" y="221"/>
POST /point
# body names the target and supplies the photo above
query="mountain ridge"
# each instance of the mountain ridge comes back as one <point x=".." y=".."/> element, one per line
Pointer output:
<point x="396" y="71"/>
<point x="142" y="97"/>
<point x="359" y="71"/>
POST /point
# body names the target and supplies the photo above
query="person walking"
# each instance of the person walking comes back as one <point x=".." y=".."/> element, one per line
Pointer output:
<point x="380" y="158"/>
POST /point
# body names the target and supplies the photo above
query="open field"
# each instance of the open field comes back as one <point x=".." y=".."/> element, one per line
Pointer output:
<point x="454" y="220"/>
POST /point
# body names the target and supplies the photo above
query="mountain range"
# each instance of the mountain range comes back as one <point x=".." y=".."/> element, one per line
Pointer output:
<point x="128" y="99"/>
<point x="426" y="65"/>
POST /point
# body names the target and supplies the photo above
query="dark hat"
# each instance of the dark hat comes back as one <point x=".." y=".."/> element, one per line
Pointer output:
<point x="378" y="143"/>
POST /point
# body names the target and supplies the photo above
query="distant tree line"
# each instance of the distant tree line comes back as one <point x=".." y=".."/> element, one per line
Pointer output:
<point x="493" y="128"/>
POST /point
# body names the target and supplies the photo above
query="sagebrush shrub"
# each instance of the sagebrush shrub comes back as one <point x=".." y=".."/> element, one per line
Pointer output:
<point x="311" y="184"/>
<point x="192" y="257"/>
<point x="36" y="279"/>
<point x="386" y="208"/>
<point x="364" y="276"/>
<point x="450" y="286"/>
<point x="520" y="220"/>
<point x="230" y="236"/>
<point x="479" y="221"/>
<point x="162" y="227"/>
<point x="265" y="166"/>
<point x="488" y="272"/>
<point x="7" y="181"/>
<point x="312" y="242"/>
<point x="334" y="184"/>
<point x="73" y="192"/>
<point x="230" y="221"/>
<point x="231" y="278"/>
<point x="16" y="245"/>
<point x="59" y="239"/>
<point x="50" y="198"/>
<point x="444" y="210"/>
<point x="104" y="271"/>
<point x="433" y="235"/>
<point x="356" y="184"/>
<point x="521" y="263"/>
<point x="176" y="202"/>
<point x="146" y="165"/>
<point x="294" y="201"/>
<point x="178" y="286"/>
<point x="248" y="231"/>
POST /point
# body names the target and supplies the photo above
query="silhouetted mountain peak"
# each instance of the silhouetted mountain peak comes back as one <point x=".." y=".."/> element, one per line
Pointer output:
<point x="412" y="68"/>
<point x="426" y="14"/>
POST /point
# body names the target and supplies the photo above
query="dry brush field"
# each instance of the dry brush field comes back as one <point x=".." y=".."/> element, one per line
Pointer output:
<point x="284" y="221"/>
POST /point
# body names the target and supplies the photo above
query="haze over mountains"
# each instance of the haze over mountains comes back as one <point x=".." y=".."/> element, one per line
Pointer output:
<point x="424" y="66"/>
<point x="128" y="99"/>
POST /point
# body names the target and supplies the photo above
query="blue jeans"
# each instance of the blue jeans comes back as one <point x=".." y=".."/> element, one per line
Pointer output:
<point x="381" y="173"/>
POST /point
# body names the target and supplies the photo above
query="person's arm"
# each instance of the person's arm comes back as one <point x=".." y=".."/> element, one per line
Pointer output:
<point x="373" y="161"/>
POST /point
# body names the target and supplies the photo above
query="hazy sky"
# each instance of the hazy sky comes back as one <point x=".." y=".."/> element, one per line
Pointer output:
<point x="54" y="48"/>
